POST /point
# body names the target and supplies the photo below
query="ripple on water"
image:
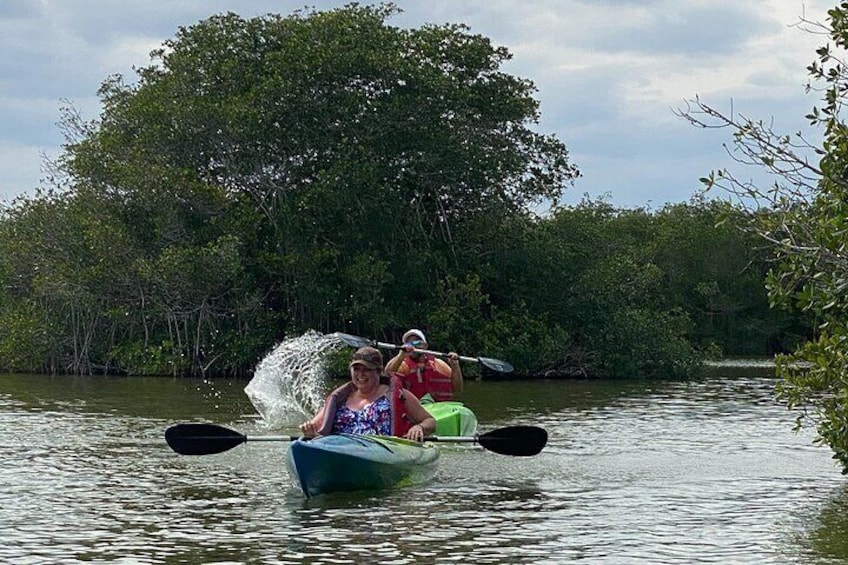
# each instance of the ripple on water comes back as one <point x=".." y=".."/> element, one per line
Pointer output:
<point x="705" y="471"/>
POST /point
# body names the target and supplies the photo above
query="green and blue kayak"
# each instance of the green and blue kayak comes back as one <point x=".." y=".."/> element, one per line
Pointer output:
<point x="452" y="418"/>
<point x="347" y="462"/>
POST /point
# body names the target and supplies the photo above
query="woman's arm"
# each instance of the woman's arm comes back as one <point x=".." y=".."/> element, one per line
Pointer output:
<point x="425" y="424"/>
<point x="310" y="427"/>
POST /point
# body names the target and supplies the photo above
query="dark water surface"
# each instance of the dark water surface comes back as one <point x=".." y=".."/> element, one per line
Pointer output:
<point x="706" y="471"/>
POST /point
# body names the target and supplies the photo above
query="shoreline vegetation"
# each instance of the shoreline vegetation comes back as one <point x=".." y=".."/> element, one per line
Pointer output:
<point x="756" y="363"/>
<point x="757" y="366"/>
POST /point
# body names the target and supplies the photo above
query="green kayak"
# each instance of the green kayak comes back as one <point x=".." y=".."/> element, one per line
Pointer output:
<point x="452" y="418"/>
<point x="347" y="462"/>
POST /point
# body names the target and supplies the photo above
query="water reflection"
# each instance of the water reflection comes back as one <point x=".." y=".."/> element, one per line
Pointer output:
<point x="494" y="522"/>
<point x="828" y="536"/>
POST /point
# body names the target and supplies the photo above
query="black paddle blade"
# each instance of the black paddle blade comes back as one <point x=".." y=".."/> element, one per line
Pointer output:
<point x="522" y="441"/>
<point x="202" y="439"/>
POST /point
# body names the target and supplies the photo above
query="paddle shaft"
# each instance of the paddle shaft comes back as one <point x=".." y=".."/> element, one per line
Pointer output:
<point x="206" y="439"/>
<point x="425" y="351"/>
<point x="271" y="438"/>
<point x="452" y="439"/>
<point x="493" y="364"/>
<point x="442" y="439"/>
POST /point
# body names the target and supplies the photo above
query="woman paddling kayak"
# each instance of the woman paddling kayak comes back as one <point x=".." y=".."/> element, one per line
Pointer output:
<point x="371" y="404"/>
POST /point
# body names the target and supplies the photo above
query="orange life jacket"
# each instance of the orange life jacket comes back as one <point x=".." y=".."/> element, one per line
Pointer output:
<point x="423" y="377"/>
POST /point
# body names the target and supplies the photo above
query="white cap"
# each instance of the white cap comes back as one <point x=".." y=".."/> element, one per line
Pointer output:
<point x="414" y="333"/>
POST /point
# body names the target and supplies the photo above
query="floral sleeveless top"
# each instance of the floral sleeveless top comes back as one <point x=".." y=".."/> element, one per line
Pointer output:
<point x="373" y="419"/>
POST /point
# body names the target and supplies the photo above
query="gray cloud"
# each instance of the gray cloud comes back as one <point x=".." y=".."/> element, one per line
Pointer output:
<point x="608" y="72"/>
<point x="11" y="10"/>
<point x="701" y="31"/>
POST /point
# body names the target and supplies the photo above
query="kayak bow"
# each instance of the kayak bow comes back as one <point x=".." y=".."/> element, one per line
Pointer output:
<point x="452" y="418"/>
<point x="347" y="462"/>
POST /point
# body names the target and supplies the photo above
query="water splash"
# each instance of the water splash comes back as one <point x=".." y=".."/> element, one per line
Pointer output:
<point x="289" y="382"/>
<point x="210" y="391"/>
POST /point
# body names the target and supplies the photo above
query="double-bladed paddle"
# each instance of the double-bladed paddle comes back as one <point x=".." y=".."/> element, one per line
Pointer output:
<point x="493" y="364"/>
<point x="206" y="439"/>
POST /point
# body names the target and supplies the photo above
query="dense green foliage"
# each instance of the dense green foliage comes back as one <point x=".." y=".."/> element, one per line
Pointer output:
<point x="803" y="220"/>
<point x="328" y="171"/>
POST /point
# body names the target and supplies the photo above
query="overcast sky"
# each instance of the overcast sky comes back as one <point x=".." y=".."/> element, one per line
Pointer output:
<point x="609" y="74"/>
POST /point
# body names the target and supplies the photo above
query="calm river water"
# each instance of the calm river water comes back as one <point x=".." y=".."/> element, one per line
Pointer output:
<point x="634" y="472"/>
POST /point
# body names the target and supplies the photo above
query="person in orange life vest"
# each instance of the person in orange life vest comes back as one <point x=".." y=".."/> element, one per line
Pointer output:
<point x="369" y="404"/>
<point x="425" y="374"/>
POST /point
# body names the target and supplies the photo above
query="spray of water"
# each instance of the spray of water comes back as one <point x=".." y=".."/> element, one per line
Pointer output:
<point x="289" y="383"/>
